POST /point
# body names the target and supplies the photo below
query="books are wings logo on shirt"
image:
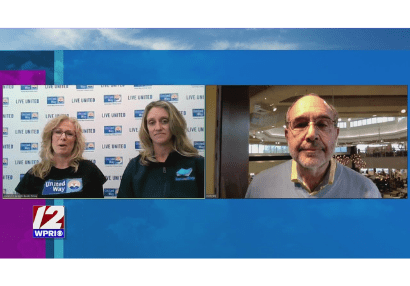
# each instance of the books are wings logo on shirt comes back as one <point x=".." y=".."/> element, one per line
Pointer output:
<point x="183" y="175"/>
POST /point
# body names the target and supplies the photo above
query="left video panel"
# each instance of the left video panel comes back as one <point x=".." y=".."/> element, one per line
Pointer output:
<point x="111" y="118"/>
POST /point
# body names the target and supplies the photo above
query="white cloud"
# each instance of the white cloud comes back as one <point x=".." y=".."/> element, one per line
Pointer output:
<point x="259" y="45"/>
<point x="127" y="37"/>
<point x="92" y="39"/>
<point x="65" y="38"/>
<point x="120" y="39"/>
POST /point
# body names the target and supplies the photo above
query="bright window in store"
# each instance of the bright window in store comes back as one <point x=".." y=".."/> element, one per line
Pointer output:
<point x="268" y="149"/>
<point x="373" y="120"/>
<point x="341" y="124"/>
<point x="341" y="150"/>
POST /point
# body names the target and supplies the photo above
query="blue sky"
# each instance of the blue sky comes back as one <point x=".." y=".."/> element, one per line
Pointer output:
<point x="205" y="39"/>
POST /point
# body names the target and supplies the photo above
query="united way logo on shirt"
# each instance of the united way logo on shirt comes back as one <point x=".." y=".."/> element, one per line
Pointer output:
<point x="138" y="114"/>
<point x="85" y="115"/>
<point x="113" y="161"/>
<point x="55" y="100"/>
<point x="5" y="131"/>
<point x="28" y="147"/>
<point x="5" y="162"/>
<point x="198" y="113"/>
<point x="5" y="101"/>
<point x="64" y="186"/>
<point x="199" y="145"/>
<point x="85" y="87"/>
<point x="112" y="99"/>
<point x="29" y="116"/>
<point x="183" y="175"/>
<point x="113" y="130"/>
<point x="173" y="97"/>
<point x="29" y="87"/>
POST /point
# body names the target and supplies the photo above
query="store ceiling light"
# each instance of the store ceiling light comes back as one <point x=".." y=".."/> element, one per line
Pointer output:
<point x="403" y="111"/>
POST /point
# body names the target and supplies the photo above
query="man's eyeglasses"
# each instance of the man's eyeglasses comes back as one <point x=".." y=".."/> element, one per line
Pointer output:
<point x="300" y="125"/>
<point x="68" y="134"/>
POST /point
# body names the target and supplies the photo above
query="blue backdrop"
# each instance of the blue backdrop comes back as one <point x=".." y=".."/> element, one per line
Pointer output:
<point x="237" y="228"/>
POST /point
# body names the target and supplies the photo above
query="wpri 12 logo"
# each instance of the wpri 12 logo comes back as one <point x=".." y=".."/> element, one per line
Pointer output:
<point x="48" y="222"/>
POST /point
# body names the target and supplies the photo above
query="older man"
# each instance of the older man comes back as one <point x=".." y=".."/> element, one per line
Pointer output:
<point x="311" y="132"/>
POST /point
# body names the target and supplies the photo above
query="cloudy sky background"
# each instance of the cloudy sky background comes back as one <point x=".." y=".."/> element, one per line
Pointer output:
<point x="205" y="39"/>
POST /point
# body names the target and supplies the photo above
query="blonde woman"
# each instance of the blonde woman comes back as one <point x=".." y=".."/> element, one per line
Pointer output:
<point x="169" y="166"/>
<point x="63" y="172"/>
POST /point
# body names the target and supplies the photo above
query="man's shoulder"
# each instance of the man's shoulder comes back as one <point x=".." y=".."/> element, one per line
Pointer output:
<point x="352" y="174"/>
<point x="274" y="171"/>
<point x="268" y="183"/>
<point x="359" y="182"/>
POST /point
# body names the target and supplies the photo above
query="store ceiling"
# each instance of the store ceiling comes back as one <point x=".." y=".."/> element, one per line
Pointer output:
<point x="356" y="101"/>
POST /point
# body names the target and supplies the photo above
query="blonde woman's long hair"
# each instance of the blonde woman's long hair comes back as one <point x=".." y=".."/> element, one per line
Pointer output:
<point x="177" y="126"/>
<point x="43" y="168"/>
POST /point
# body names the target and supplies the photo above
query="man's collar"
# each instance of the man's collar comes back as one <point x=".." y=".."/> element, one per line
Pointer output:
<point x="328" y="179"/>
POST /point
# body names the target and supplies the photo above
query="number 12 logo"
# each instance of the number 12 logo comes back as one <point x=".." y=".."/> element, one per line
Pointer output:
<point x="48" y="219"/>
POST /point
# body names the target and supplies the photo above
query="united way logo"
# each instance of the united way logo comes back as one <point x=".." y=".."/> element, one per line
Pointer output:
<point x="5" y="101"/>
<point x="29" y="116"/>
<point x="138" y="114"/>
<point x="29" y="87"/>
<point x="173" y="97"/>
<point x="198" y="113"/>
<point x="74" y="185"/>
<point x="86" y="87"/>
<point x="142" y="86"/>
<point x="113" y="161"/>
<point x="109" y="192"/>
<point x="55" y="100"/>
<point x="5" y="162"/>
<point x="48" y="222"/>
<point x="89" y="146"/>
<point x="64" y="186"/>
<point x="5" y="131"/>
<point x="28" y="147"/>
<point x="85" y="115"/>
<point x="199" y="145"/>
<point x="138" y="145"/>
<point x="110" y="99"/>
<point x="113" y="130"/>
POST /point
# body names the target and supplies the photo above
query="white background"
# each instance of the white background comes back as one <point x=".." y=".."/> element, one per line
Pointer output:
<point x="90" y="100"/>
